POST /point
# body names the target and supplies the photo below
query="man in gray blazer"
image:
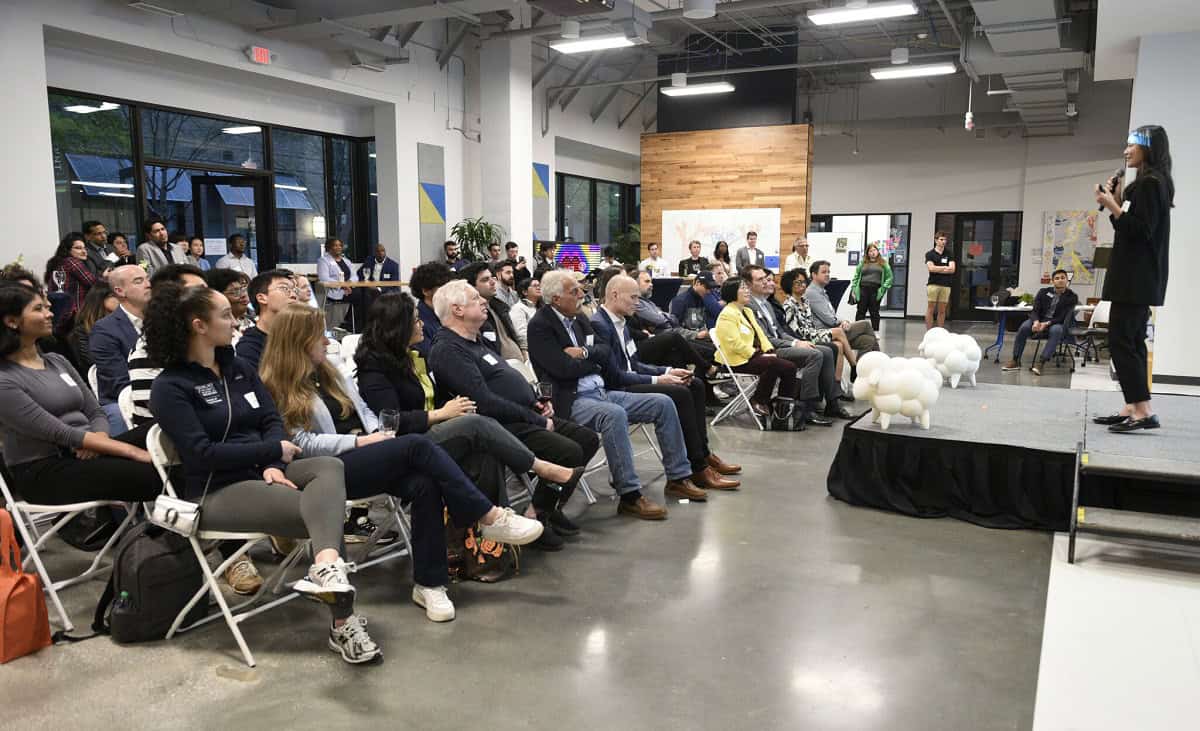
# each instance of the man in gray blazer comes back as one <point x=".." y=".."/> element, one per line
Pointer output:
<point x="156" y="251"/>
<point x="749" y="254"/>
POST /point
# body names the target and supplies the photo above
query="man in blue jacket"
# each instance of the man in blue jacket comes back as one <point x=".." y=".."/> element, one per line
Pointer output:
<point x="1053" y="312"/>
<point x="425" y="282"/>
<point x="382" y="268"/>
<point x="565" y="352"/>
<point x="114" y="336"/>
<point x="624" y="371"/>
<point x="696" y="297"/>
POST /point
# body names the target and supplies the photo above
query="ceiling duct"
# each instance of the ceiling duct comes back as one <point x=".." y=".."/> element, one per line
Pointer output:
<point x="1037" y="52"/>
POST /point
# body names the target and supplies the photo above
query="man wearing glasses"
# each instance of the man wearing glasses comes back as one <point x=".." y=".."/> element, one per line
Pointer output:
<point x="271" y="292"/>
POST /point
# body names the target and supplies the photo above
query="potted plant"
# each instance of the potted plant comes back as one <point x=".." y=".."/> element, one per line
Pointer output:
<point x="629" y="245"/>
<point x="473" y="236"/>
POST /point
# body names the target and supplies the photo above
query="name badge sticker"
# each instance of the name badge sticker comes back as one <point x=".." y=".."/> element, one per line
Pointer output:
<point x="387" y="275"/>
<point x="68" y="380"/>
<point x="110" y="256"/>
<point x="590" y="340"/>
<point x="490" y="335"/>
<point x="631" y="348"/>
<point x="1125" y="206"/>
<point x="745" y="329"/>
<point x="252" y="399"/>
<point x="490" y="359"/>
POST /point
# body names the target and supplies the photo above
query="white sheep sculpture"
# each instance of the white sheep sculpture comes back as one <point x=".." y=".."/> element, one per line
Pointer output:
<point x="904" y="386"/>
<point x="954" y="356"/>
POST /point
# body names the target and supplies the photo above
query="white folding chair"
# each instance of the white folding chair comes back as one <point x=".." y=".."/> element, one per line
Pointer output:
<point x="93" y="380"/>
<point x="349" y="345"/>
<point x="25" y="515"/>
<point x="745" y="383"/>
<point x="125" y="403"/>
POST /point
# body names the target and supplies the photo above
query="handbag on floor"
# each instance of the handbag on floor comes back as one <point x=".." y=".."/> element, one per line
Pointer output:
<point x="24" y="621"/>
<point x="478" y="559"/>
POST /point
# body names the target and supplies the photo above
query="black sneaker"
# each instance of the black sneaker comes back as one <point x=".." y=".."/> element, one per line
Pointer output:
<point x="563" y="525"/>
<point x="360" y="528"/>
<point x="549" y="540"/>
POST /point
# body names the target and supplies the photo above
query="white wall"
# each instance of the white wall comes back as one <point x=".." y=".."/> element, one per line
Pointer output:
<point x="1163" y="94"/>
<point x="928" y="171"/>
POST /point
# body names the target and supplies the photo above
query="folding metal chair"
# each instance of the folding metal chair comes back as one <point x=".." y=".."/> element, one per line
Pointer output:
<point x="125" y="404"/>
<point x="94" y="380"/>
<point x="745" y="383"/>
<point x="26" y="515"/>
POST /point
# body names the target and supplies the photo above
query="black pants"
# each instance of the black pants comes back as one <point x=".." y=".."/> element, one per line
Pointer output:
<point x="67" y="479"/>
<point x="672" y="349"/>
<point x="830" y="381"/>
<point x="1127" y="344"/>
<point x="868" y="302"/>
<point x="569" y="445"/>
<point x="770" y="369"/>
<point x="412" y="467"/>
<point x="689" y="402"/>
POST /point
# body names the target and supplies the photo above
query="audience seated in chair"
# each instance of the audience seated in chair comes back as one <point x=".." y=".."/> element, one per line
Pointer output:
<point x="624" y="371"/>
<point x="270" y="292"/>
<point x="498" y="330"/>
<point x="235" y="286"/>
<point x="860" y="333"/>
<point x="565" y="352"/>
<point x="669" y="342"/>
<point x="325" y="416"/>
<point x="530" y="292"/>
<point x="1051" y="318"/>
<point x="100" y="301"/>
<point x="426" y="279"/>
<point x="747" y="349"/>
<point x="114" y="337"/>
<point x="236" y="456"/>
<point x="466" y="367"/>
<point x="798" y="320"/>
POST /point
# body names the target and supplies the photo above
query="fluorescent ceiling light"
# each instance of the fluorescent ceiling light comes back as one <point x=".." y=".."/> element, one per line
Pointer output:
<point x="910" y="72"/>
<point x="873" y="11"/>
<point x="115" y="195"/>
<point x="247" y="130"/>
<point x="101" y="185"/>
<point x="371" y="155"/>
<point x="716" y="87"/>
<point x="85" y="109"/>
<point x="594" y="43"/>
<point x="151" y="7"/>
<point x="291" y="187"/>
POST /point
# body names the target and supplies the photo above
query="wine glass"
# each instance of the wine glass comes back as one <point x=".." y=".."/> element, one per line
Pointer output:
<point x="995" y="299"/>
<point x="389" y="422"/>
<point x="545" y="392"/>
<point x="60" y="279"/>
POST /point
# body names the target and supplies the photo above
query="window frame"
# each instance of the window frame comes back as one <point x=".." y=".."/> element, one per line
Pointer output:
<point x="627" y="206"/>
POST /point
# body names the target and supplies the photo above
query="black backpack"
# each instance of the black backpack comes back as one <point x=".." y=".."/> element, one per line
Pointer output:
<point x="155" y="574"/>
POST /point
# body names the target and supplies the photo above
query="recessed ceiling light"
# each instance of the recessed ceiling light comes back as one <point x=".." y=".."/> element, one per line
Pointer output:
<point x="909" y="72"/>
<point x="872" y="11"/>
<point x="594" y="43"/>
<point x="246" y="130"/>
<point x="715" y="87"/>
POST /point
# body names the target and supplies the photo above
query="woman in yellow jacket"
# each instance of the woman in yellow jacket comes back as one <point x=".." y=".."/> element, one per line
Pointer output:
<point x="745" y="347"/>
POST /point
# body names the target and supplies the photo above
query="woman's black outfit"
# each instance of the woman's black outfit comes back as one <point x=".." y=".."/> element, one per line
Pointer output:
<point x="1137" y="279"/>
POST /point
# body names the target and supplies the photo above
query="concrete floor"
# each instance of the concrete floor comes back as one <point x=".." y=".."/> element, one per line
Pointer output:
<point x="775" y="607"/>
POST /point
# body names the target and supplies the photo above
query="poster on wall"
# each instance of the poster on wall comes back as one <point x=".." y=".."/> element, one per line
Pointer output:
<point x="720" y="224"/>
<point x="1069" y="242"/>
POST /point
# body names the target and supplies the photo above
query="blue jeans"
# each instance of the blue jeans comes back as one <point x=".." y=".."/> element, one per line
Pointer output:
<point x="116" y="422"/>
<point x="1054" y="335"/>
<point x="611" y="413"/>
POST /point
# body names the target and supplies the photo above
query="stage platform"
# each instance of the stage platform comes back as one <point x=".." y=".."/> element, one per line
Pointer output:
<point x="1004" y="457"/>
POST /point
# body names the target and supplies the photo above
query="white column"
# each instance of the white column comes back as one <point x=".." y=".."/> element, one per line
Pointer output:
<point x="506" y="112"/>
<point x="396" y="183"/>
<point x="1164" y="94"/>
<point x="27" y="190"/>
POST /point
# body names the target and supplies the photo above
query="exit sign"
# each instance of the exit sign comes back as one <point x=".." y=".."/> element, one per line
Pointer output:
<point x="258" y="54"/>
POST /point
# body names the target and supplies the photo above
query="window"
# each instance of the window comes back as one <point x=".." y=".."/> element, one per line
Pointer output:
<point x="609" y="208"/>
<point x="342" y="206"/>
<point x="190" y="139"/>
<point x="372" y="199"/>
<point x="888" y="230"/>
<point x="301" y="228"/>
<point x="595" y="211"/>
<point x="93" y="164"/>
<point x="576" y="196"/>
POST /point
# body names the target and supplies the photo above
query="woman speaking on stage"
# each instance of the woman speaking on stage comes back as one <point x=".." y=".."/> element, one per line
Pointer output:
<point x="1137" y="276"/>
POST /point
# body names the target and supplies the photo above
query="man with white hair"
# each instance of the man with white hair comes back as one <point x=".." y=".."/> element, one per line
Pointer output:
<point x="565" y="352"/>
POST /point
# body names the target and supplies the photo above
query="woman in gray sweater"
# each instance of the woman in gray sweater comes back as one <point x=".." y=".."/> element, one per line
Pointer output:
<point x="56" y="439"/>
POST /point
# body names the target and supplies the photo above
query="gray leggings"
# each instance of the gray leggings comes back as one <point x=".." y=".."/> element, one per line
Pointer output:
<point x="317" y="510"/>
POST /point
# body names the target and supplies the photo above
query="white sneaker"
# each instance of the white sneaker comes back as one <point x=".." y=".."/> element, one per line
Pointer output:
<point x="324" y="580"/>
<point x="513" y="529"/>
<point x="433" y="599"/>
<point x="353" y="643"/>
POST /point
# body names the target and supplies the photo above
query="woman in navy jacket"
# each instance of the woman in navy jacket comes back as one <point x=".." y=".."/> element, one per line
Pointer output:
<point x="237" y="459"/>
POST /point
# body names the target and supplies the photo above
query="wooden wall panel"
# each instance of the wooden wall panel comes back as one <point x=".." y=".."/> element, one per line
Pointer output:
<point x="744" y="167"/>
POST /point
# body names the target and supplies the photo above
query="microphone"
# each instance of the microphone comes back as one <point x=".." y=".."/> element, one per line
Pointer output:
<point x="1119" y="174"/>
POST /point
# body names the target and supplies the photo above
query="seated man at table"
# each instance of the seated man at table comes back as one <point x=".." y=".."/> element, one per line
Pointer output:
<point x="625" y="372"/>
<point x="861" y="334"/>
<point x="695" y="263"/>
<point x="566" y="353"/>
<point x="1053" y="311"/>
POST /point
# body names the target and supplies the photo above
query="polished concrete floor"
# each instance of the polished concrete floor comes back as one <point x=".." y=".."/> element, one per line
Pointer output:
<point x="775" y="607"/>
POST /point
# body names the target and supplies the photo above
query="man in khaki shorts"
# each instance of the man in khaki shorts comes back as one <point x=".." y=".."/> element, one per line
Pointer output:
<point x="941" y="268"/>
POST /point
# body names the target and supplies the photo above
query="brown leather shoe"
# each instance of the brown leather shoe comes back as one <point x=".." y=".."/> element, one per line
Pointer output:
<point x="708" y="479"/>
<point x="644" y="508"/>
<point x="684" y="489"/>
<point x="721" y="466"/>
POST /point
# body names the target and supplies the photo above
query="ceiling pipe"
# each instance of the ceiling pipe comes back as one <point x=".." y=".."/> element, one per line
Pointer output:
<point x="657" y="15"/>
<point x="759" y="69"/>
<point x="950" y="20"/>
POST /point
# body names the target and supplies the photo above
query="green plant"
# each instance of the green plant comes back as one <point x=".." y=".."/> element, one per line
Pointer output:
<point x="1027" y="299"/>
<point x="473" y="236"/>
<point x="629" y="245"/>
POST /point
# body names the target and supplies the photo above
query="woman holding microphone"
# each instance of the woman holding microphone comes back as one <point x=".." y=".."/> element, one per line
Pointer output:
<point x="1137" y="277"/>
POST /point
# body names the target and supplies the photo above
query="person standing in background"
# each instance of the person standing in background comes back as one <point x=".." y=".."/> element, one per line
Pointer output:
<point x="941" y="266"/>
<point x="799" y="258"/>
<point x="872" y="280"/>
<point x="749" y="254"/>
<point x="155" y="252"/>
<point x="721" y="254"/>
<point x="120" y="247"/>
<point x="1137" y="277"/>
<point x="236" y="259"/>
<point x="196" y="254"/>
<point x="100" y="255"/>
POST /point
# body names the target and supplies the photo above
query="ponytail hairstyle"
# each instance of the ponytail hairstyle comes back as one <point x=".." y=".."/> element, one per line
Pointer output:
<point x="167" y="325"/>
<point x="288" y="372"/>
<point x="1153" y="139"/>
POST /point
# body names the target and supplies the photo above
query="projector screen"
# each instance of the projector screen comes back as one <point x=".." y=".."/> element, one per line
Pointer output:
<point x="720" y="224"/>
